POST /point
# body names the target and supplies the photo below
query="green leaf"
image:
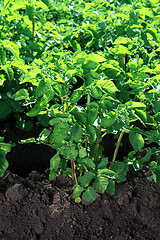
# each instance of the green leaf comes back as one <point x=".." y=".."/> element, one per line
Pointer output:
<point x="121" y="50"/>
<point x="79" y="116"/>
<point x="69" y="152"/>
<point x="142" y="116"/>
<point x="34" y="111"/>
<point x="86" y="179"/>
<point x="132" y="104"/>
<point x="44" y="120"/>
<point x="147" y="157"/>
<point x="2" y="80"/>
<point x="137" y="165"/>
<point x="5" y="109"/>
<point x="6" y="2"/>
<point x="43" y="135"/>
<point x="109" y="120"/>
<point x="30" y="12"/>
<point x="95" y="75"/>
<point x="88" y="162"/>
<point x="43" y="86"/>
<point x="21" y="94"/>
<point x="156" y="106"/>
<point x="19" y="63"/>
<point x="103" y="163"/>
<point x="75" y="45"/>
<point x="91" y="130"/>
<point x="58" y="89"/>
<point x="18" y="4"/>
<point x="100" y="184"/>
<point x="121" y="170"/>
<point x="106" y="172"/>
<point x="25" y="125"/>
<point x="96" y="92"/>
<point x="46" y="2"/>
<point x="111" y="187"/>
<point x="2" y="56"/>
<point x="12" y="47"/>
<point x="55" y="162"/>
<point x="35" y="47"/>
<point x="4" y="149"/>
<point x="90" y="65"/>
<point x="90" y="195"/>
<point x="88" y="80"/>
<point x="79" y="57"/>
<point x="122" y="40"/>
<point x="157" y="117"/>
<point x="9" y="72"/>
<point x="52" y="175"/>
<point x="107" y="85"/>
<point x="3" y="164"/>
<point x="76" y="132"/>
<point x="60" y="131"/>
<point x="136" y="140"/>
<point x="41" y="5"/>
<point x="76" y="95"/>
<point x="96" y="58"/>
<point x="28" y="140"/>
<point x="31" y="76"/>
<point x="156" y="171"/>
<point x="92" y="113"/>
<point x="77" y="191"/>
<point x="82" y="152"/>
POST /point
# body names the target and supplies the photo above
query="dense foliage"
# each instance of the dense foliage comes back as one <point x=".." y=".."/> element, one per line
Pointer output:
<point x="86" y="69"/>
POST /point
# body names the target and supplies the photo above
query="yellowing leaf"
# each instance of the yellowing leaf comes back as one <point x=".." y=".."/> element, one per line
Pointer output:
<point x="96" y="58"/>
<point x="122" y="40"/>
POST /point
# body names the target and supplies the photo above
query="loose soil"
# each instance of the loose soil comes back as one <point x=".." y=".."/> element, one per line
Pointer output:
<point x="33" y="208"/>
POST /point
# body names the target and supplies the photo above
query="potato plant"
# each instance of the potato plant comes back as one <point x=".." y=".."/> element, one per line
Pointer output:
<point x="82" y="75"/>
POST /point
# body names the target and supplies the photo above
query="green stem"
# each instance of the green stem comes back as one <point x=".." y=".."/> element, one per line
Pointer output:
<point x="116" y="149"/>
<point x="96" y="146"/>
<point x="74" y="177"/>
<point x="142" y="92"/>
<point x="104" y="134"/>
<point x="122" y="62"/>
<point x="67" y="90"/>
<point x="33" y="28"/>
<point x="88" y="98"/>
<point x="62" y="103"/>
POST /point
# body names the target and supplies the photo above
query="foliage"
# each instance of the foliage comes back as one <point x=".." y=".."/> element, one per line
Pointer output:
<point x="85" y="73"/>
<point x="4" y="149"/>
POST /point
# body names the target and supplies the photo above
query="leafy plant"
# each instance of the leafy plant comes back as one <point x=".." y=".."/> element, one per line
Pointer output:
<point x="4" y="149"/>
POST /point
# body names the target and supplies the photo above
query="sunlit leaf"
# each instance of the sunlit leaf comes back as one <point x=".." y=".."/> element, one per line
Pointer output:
<point x="136" y="140"/>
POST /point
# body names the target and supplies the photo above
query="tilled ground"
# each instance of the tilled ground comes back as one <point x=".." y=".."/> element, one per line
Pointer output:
<point x="36" y="209"/>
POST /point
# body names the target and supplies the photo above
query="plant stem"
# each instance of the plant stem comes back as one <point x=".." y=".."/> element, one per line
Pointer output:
<point x="116" y="149"/>
<point x="74" y="177"/>
<point x="67" y="97"/>
<point x="62" y="101"/>
<point x="96" y="146"/>
<point x="33" y="28"/>
<point x="142" y="93"/>
<point x="104" y="134"/>
<point x="122" y="62"/>
<point x="88" y="98"/>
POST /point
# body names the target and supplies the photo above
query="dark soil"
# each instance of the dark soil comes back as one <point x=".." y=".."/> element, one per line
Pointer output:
<point x="33" y="208"/>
